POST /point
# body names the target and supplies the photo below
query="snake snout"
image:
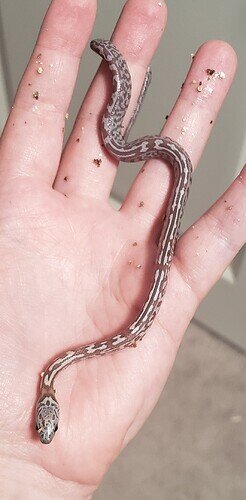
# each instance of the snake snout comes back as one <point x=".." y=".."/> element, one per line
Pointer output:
<point x="47" y="432"/>
<point x="96" y="45"/>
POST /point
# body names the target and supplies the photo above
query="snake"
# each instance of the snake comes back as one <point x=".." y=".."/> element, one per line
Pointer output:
<point x="148" y="147"/>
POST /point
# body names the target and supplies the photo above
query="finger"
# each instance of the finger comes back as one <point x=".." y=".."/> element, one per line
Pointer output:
<point x="32" y="140"/>
<point x="203" y="253"/>
<point x="136" y="35"/>
<point x="189" y="123"/>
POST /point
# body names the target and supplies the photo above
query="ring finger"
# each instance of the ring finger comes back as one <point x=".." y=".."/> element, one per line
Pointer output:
<point x="189" y="123"/>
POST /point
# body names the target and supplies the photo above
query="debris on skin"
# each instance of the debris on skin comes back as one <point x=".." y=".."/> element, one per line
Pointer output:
<point x="134" y="344"/>
<point x="40" y="64"/>
<point x="210" y="71"/>
<point x="66" y="178"/>
<point x="63" y="129"/>
<point x="211" y="121"/>
<point x="182" y="85"/>
<point x="129" y="261"/>
<point x="77" y="140"/>
<point x="192" y="56"/>
<point x="166" y="117"/>
<point x="200" y="87"/>
<point x="35" y="95"/>
<point x="142" y="171"/>
<point x="212" y="74"/>
<point x="184" y="130"/>
<point x="67" y="116"/>
<point x="134" y="244"/>
<point x="230" y="207"/>
<point x="29" y="84"/>
<point x="141" y="204"/>
<point x="97" y="162"/>
<point x="139" y="266"/>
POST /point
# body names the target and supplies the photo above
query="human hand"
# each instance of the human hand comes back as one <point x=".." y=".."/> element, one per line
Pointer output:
<point x="65" y="272"/>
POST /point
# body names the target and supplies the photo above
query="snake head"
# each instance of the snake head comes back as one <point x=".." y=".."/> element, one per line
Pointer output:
<point x="105" y="49"/>
<point x="47" y="418"/>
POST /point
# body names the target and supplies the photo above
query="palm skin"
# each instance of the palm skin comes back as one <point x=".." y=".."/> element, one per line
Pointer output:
<point x="74" y="283"/>
<point x="71" y="271"/>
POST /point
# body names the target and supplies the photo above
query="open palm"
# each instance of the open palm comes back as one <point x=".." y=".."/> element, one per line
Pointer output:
<point x="74" y="270"/>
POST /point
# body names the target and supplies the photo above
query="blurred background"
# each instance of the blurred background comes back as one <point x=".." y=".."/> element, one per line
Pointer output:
<point x="193" y="446"/>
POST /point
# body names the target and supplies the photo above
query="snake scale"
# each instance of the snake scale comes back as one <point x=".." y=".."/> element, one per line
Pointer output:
<point x="47" y="408"/>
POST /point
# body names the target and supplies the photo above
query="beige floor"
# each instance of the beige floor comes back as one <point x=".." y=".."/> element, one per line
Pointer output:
<point x="193" y="446"/>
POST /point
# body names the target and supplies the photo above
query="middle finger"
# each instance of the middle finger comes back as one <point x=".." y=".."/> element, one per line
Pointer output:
<point x="136" y="35"/>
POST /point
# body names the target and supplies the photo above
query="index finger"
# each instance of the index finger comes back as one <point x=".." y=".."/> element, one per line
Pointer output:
<point x="32" y="139"/>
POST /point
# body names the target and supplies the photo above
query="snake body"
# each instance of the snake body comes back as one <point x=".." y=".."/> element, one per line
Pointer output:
<point x="47" y="408"/>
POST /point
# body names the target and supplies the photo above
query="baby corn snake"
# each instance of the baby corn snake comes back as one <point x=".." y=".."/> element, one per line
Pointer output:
<point x="47" y="408"/>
